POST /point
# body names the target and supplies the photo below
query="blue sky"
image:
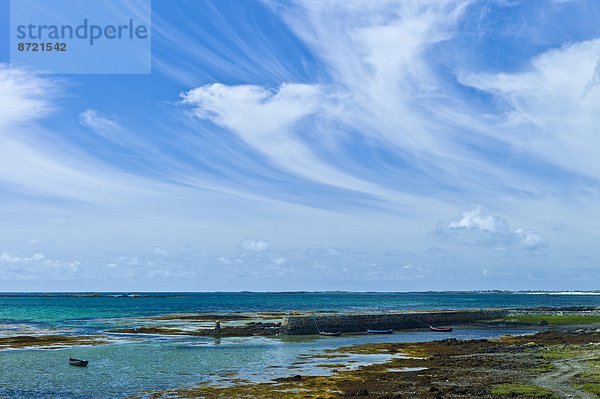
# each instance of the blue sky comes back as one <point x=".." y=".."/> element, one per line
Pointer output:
<point x="314" y="145"/>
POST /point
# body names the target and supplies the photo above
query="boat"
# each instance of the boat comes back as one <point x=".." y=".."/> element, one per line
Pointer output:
<point x="330" y="333"/>
<point x="375" y="331"/>
<point x="440" y="329"/>
<point x="78" y="362"/>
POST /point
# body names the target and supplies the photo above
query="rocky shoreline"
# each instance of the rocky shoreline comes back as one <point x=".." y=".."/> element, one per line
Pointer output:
<point x="550" y="364"/>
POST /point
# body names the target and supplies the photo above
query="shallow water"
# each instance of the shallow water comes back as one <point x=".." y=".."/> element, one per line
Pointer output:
<point x="155" y="363"/>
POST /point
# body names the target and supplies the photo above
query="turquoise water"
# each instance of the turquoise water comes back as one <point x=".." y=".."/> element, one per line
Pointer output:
<point x="132" y="364"/>
<point x="61" y="308"/>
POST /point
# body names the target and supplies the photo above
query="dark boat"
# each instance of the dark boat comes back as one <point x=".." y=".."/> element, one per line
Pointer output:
<point x="440" y="329"/>
<point x="390" y="331"/>
<point x="330" y="333"/>
<point x="77" y="362"/>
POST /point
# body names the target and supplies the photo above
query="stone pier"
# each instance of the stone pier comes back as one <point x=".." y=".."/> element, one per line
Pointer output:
<point x="307" y="324"/>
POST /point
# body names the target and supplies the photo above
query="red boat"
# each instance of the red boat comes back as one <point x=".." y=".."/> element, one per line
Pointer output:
<point x="440" y="329"/>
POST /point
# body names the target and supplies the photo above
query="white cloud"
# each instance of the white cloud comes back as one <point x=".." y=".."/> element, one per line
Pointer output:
<point x="37" y="267"/>
<point x="377" y="55"/>
<point x="280" y="260"/>
<point x="102" y="125"/>
<point x="265" y="119"/>
<point x="253" y="245"/>
<point x="476" y="219"/>
<point x="23" y="96"/>
<point x="40" y="162"/>
<point x="9" y="258"/>
<point x="17" y="259"/>
<point x="553" y="106"/>
<point x="160" y="251"/>
<point x="253" y="111"/>
<point x="529" y="239"/>
<point x="276" y="123"/>
<point x="477" y="227"/>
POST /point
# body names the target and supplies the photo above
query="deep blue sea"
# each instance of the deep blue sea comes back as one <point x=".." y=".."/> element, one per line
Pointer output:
<point x="135" y="364"/>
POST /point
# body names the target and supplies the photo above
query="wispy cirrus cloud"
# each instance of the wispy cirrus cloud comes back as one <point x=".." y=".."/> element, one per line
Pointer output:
<point x="100" y="124"/>
<point x="553" y="106"/>
<point x="276" y="124"/>
<point x="25" y="96"/>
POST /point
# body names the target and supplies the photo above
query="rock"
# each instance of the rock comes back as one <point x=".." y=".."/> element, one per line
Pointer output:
<point x="357" y="392"/>
<point x="451" y="341"/>
<point x="296" y="377"/>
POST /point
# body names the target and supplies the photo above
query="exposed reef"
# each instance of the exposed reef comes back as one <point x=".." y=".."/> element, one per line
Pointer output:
<point x="48" y="341"/>
<point x="244" y="330"/>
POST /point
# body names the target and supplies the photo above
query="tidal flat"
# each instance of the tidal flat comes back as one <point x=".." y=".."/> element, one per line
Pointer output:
<point x="548" y="364"/>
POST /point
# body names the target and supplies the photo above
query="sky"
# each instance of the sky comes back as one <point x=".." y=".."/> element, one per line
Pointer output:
<point x="395" y="145"/>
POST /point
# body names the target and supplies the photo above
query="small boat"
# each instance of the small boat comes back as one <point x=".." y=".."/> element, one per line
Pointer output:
<point x="78" y="362"/>
<point x="330" y="333"/>
<point x="390" y="331"/>
<point x="440" y="329"/>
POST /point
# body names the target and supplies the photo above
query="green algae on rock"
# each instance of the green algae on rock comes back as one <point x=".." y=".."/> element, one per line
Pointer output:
<point x="48" y="341"/>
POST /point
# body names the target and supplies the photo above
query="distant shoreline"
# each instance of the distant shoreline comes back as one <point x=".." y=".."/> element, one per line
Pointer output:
<point x="132" y="294"/>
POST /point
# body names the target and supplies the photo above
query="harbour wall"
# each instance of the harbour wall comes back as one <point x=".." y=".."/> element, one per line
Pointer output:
<point x="360" y="322"/>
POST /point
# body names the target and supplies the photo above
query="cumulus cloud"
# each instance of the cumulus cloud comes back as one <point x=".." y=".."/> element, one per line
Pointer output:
<point x="18" y="259"/>
<point x="475" y="226"/>
<point x="529" y="239"/>
<point x="477" y="220"/>
<point x="37" y="267"/>
<point x="253" y="245"/>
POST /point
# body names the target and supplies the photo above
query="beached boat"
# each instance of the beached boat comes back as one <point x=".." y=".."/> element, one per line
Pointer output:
<point x="78" y="362"/>
<point x="375" y="331"/>
<point x="440" y="329"/>
<point x="330" y="333"/>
